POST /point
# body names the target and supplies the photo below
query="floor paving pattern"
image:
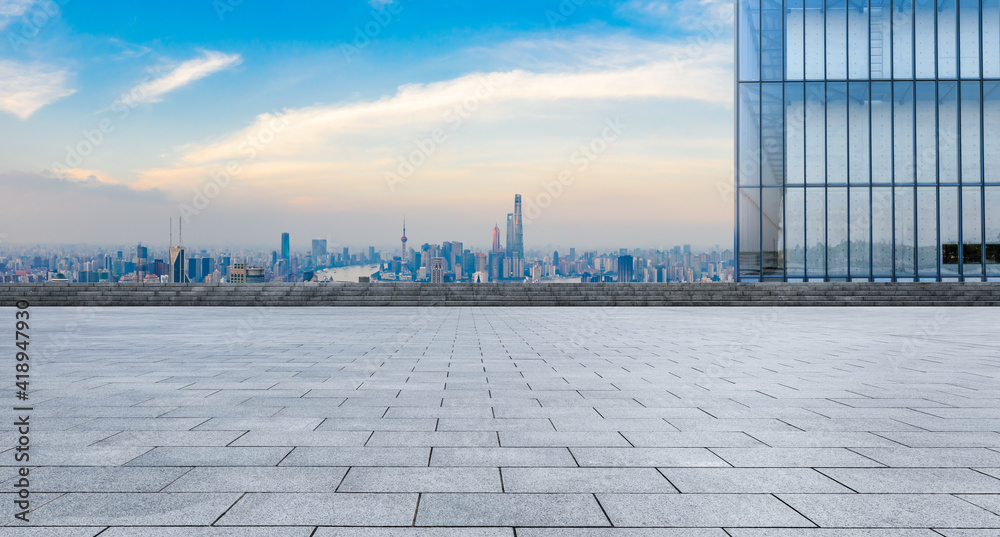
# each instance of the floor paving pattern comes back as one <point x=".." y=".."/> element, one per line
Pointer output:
<point x="513" y="422"/>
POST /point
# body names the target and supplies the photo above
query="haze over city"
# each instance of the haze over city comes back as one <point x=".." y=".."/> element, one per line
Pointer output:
<point x="337" y="120"/>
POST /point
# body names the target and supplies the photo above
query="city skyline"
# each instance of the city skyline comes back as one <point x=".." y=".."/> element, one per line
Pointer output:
<point x="601" y="114"/>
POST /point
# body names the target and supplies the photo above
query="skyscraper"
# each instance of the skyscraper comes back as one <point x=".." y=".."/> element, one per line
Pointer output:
<point x="403" y="261"/>
<point x="868" y="140"/>
<point x="437" y="270"/>
<point x="518" y="231"/>
<point x="286" y="250"/>
<point x="509" y="248"/>
<point x="319" y="254"/>
<point x="496" y="239"/>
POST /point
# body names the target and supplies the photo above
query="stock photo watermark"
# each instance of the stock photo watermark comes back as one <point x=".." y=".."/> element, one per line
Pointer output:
<point x="582" y="158"/>
<point x="220" y="179"/>
<point x="425" y="146"/>
<point x="30" y="24"/>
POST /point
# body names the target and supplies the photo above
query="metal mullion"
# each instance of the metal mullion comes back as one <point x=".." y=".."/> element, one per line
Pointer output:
<point x="871" y="183"/>
<point x="937" y="167"/>
<point x="784" y="140"/>
<point x="916" y="229"/>
<point x="892" y="179"/>
<point x="826" y="178"/>
<point x="960" y="147"/>
<point x="736" y="146"/>
<point x="760" y="176"/>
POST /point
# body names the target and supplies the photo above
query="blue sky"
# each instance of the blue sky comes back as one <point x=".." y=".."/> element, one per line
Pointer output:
<point x="337" y="118"/>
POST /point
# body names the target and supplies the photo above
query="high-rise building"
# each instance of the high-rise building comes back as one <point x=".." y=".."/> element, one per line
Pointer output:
<point x="403" y="259"/>
<point x="346" y="256"/>
<point x="437" y="270"/>
<point x="868" y="140"/>
<point x="626" y="269"/>
<point x="509" y="248"/>
<point x="178" y="265"/>
<point x="518" y="231"/>
<point x="286" y="249"/>
<point x="496" y="239"/>
<point x="319" y="254"/>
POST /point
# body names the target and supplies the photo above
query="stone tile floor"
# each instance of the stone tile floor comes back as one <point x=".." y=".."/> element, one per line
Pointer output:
<point x="620" y="422"/>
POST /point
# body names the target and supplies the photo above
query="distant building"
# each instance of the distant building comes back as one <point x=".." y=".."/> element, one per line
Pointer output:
<point x="319" y="254"/>
<point x="437" y="270"/>
<point x="177" y="265"/>
<point x="286" y="247"/>
<point x="626" y="269"/>
<point x="241" y="273"/>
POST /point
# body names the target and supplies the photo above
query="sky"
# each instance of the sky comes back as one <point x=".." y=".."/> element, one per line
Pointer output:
<point x="337" y="120"/>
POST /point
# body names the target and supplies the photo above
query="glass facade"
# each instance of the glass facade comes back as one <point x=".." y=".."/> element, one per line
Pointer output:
<point x="868" y="140"/>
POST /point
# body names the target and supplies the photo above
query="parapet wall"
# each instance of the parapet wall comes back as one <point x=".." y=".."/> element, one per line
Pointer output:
<point x="506" y="294"/>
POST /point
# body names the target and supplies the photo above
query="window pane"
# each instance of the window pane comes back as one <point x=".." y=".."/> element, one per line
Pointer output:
<point x="924" y="30"/>
<point x="857" y="36"/>
<point x="903" y="146"/>
<point x="860" y="233"/>
<point x="991" y="38"/>
<point x="949" y="230"/>
<point x="991" y="131"/>
<point x="902" y="37"/>
<point x="972" y="232"/>
<point x="749" y="143"/>
<point x="795" y="134"/>
<point x="837" y="223"/>
<point x="772" y="134"/>
<point x="816" y="232"/>
<point x="881" y="105"/>
<point x="905" y="233"/>
<point x="880" y="37"/>
<point x="773" y="239"/>
<point x="948" y="131"/>
<point x="836" y="39"/>
<point x="794" y="40"/>
<point x="771" y="46"/>
<point x="882" y="231"/>
<point x="927" y="232"/>
<point x="749" y="39"/>
<point x="749" y="231"/>
<point x="858" y="122"/>
<point x="926" y="132"/>
<point x="815" y="133"/>
<point x="992" y="222"/>
<point x="814" y="30"/>
<point x="971" y="154"/>
<point x="836" y="133"/>
<point x="947" y="39"/>
<point x="795" y="231"/>
<point x="969" y="35"/>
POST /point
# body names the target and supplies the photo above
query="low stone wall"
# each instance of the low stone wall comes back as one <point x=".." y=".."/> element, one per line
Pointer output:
<point x="506" y="294"/>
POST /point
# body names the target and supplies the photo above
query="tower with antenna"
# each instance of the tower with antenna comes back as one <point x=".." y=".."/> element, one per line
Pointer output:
<point x="403" y="256"/>
<point x="176" y="254"/>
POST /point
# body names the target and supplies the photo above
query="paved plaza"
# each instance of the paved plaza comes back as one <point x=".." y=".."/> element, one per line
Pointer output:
<point x="513" y="422"/>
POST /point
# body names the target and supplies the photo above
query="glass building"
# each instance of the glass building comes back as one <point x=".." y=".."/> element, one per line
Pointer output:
<point x="868" y="140"/>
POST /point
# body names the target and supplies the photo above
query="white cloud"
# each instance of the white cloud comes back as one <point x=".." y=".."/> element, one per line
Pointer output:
<point x="12" y="9"/>
<point x="211" y="62"/>
<point x="24" y="88"/>
<point x="599" y="74"/>
<point x="690" y="15"/>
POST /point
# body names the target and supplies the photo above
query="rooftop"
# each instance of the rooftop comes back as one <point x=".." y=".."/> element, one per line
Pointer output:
<point x="333" y="421"/>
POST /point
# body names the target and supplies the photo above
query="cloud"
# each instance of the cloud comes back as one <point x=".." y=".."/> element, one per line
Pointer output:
<point x="611" y="73"/>
<point x="24" y="88"/>
<point x="12" y="9"/>
<point x="210" y="63"/>
<point x="690" y="15"/>
<point x="89" y="186"/>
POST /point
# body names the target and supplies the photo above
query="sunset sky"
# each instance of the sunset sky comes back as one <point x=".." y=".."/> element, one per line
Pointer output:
<point x="337" y="119"/>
